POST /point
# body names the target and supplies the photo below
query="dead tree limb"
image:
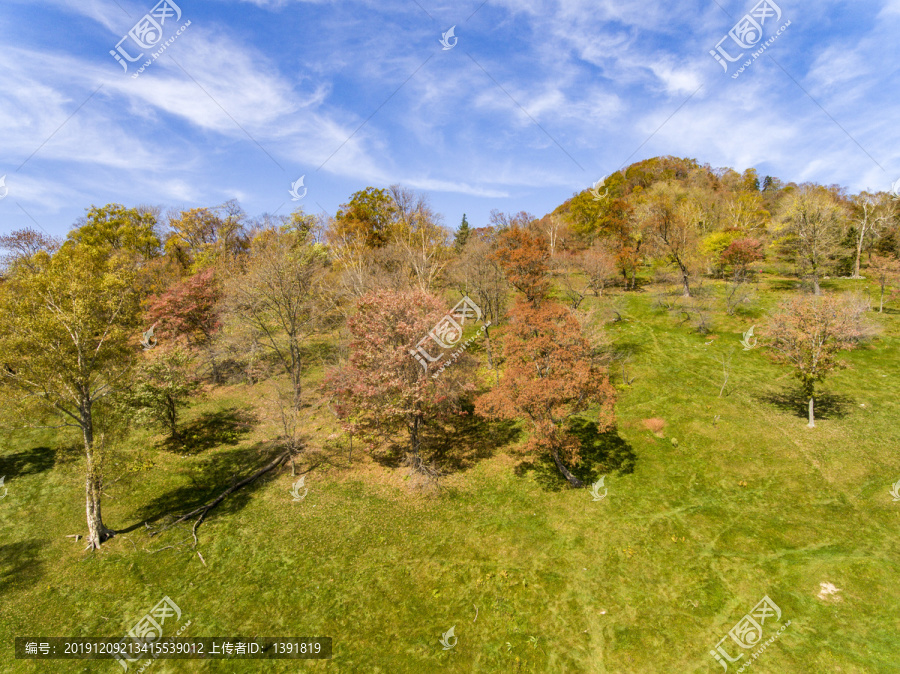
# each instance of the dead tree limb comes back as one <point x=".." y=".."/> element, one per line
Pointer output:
<point x="204" y="509"/>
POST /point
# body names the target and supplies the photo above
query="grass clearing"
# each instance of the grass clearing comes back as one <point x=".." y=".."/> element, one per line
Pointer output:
<point x="690" y="537"/>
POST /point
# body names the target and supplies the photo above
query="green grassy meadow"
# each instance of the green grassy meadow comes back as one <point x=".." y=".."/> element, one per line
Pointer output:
<point x="533" y="576"/>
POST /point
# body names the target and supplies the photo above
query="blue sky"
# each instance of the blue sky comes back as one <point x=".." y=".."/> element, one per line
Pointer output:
<point x="536" y="101"/>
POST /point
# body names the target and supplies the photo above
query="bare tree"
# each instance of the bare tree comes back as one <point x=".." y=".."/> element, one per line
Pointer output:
<point x="477" y="274"/>
<point x="725" y="360"/>
<point x="886" y="269"/>
<point x="552" y="225"/>
<point x="599" y="266"/>
<point x="282" y="298"/>
<point x="671" y="218"/>
<point x="871" y="212"/>
<point x="422" y="239"/>
<point x="24" y="244"/>
<point x="812" y="219"/>
<point x="808" y="332"/>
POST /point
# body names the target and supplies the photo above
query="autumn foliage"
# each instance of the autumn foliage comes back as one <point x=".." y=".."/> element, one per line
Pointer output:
<point x="383" y="390"/>
<point x="551" y="375"/>
<point x="188" y="310"/>
<point x="524" y="258"/>
<point x="741" y="253"/>
<point x="807" y="333"/>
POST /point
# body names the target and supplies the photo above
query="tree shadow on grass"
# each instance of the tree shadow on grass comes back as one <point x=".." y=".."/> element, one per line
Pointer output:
<point x="601" y="453"/>
<point x="827" y="405"/>
<point x="211" y="429"/>
<point x="783" y="285"/>
<point x="454" y="446"/>
<point x="20" y="564"/>
<point x="209" y="477"/>
<point x="27" y="462"/>
<point x="467" y="440"/>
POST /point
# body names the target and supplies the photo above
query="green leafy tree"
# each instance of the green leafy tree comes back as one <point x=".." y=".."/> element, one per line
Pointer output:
<point x="117" y="228"/>
<point x="367" y="216"/>
<point x="68" y="340"/>
<point x="202" y="237"/>
<point x="164" y="385"/>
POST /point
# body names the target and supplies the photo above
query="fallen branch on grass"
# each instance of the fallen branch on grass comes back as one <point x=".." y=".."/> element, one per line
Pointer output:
<point x="204" y="509"/>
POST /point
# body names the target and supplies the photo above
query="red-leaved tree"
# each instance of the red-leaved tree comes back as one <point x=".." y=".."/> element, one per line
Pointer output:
<point x="188" y="311"/>
<point x="384" y="390"/>
<point x="551" y="375"/>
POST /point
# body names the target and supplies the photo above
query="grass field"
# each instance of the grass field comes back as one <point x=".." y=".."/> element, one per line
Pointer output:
<point x="746" y="502"/>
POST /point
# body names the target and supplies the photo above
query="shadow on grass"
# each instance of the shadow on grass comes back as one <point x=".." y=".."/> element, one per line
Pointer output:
<point x="783" y="285"/>
<point x="601" y="453"/>
<point x="27" y="462"/>
<point x="211" y="429"/>
<point x="210" y="477"/>
<point x="455" y="446"/>
<point x="20" y="564"/>
<point x="827" y="405"/>
<point x="468" y="440"/>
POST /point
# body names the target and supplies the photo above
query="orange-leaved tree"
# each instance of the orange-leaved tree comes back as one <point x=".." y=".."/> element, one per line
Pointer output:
<point x="524" y="258"/>
<point x="551" y="375"/>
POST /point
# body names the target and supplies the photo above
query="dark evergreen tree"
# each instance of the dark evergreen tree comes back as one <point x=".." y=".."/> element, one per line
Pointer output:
<point x="462" y="234"/>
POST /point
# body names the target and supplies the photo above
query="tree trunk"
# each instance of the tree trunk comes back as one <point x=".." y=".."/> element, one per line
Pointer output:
<point x="856" y="262"/>
<point x="490" y="355"/>
<point x="172" y="417"/>
<point x="574" y="481"/>
<point x="685" y="281"/>
<point x="816" y="289"/>
<point x="296" y="381"/>
<point x="414" y="439"/>
<point x="812" y="419"/>
<point x="97" y="531"/>
<point x="881" y="305"/>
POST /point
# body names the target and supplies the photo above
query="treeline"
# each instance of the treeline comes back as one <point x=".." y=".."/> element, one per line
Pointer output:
<point x="136" y="313"/>
<point x="701" y="221"/>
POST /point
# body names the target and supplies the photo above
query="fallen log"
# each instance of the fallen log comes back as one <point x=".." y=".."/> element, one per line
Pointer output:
<point x="204" y="509"/>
